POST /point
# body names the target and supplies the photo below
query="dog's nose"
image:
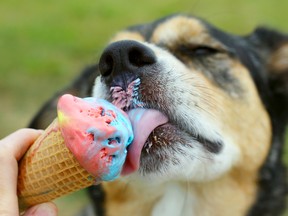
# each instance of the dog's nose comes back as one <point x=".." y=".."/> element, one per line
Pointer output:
<point x="124" y="59"/>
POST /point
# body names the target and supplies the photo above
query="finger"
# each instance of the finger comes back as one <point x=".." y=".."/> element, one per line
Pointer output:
<point x="44" y="209"/>
<point x="18" y="142"/>
<point x="11" y="149"/>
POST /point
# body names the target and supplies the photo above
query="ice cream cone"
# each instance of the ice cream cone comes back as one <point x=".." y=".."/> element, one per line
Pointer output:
<point x="49" y="170"/>
<point x="84" y="145"/>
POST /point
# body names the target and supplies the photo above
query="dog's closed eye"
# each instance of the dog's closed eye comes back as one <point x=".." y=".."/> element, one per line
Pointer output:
<point x="198" y="51"/>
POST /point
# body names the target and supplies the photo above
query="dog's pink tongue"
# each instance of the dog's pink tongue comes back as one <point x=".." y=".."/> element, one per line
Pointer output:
<point x="144" y="121"/>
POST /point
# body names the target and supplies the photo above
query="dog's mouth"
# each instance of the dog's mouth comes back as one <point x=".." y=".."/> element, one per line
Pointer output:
<point x="154" y="135"/>
<point x="157" y="136"/>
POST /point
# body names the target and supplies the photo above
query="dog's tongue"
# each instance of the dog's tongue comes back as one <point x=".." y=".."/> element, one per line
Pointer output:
<point x="144" y="121"/>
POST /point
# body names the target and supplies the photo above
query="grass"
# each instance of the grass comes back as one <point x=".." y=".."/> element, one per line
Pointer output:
<point x="70" y="205"/>
<point x="44" y="44"/>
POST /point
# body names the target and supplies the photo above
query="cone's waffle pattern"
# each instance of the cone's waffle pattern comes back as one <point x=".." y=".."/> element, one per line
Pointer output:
<point x="49" y="170"/>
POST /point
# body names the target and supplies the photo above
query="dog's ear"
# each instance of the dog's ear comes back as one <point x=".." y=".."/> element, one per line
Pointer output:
<point x="81" y="87"/>
<point x="272" y="47"/>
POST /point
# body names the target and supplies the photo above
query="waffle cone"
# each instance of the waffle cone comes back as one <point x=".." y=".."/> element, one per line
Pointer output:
<point x="49" y="170"/>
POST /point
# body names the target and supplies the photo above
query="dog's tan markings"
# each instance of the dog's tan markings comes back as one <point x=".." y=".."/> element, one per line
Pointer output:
<point x="178" y="28"/>
<point x="124" y="198"/>
<point x="246" y="121"/>
<point x="234" y="189"/>
<point x="279" y="60"/>
<point x="183" y="31"/>
<point x="127" y="35"/>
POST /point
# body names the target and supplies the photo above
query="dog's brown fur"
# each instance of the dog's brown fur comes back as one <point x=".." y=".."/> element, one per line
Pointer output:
<point x="233" y="82"/>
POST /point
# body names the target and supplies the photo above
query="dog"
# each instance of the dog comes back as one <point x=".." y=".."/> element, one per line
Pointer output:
<point x="216" y="117"/>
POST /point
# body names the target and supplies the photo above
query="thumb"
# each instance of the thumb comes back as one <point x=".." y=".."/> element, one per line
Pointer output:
<point x="44" y="209"/>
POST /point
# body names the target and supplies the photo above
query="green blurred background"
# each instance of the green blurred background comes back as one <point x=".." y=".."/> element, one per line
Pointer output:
<point x="45" y="44"/>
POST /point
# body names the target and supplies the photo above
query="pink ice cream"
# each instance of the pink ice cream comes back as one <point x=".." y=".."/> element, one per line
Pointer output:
<point x="97" y="133"/>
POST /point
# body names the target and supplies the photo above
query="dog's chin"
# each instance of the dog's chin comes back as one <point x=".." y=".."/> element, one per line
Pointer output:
<point x="172" y="154"/>
<point x="160" y="150"/>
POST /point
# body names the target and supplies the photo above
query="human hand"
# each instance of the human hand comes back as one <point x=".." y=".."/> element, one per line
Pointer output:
<point x="12" y="148"/>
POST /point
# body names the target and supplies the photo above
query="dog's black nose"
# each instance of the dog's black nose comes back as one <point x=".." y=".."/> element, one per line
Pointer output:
<point x="124" y="59"/>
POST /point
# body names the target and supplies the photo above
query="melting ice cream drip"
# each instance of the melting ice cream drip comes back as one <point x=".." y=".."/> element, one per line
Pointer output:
<point x="127" y="99"/>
